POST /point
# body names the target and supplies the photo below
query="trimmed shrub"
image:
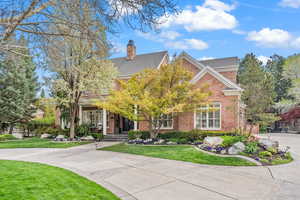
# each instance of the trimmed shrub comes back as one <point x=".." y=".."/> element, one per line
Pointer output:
<point x="264" y="154"/>
<point x="230" y="140"/>
<point x="171" y="134"/>
<point x="82" y="130"/>
<point x="251" y="147"/>
<point x="272" y="150"/>
<point x="132" y="135"/>
<point x="49" y="130"/>
<point x="5" y="137"/>
<point x="193" y="135"/>
<point x="97" y="136"/>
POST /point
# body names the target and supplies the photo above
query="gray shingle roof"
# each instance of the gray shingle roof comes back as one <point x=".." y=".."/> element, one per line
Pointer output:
<point x="221" y="62"/>
<point x="139" y="63"/>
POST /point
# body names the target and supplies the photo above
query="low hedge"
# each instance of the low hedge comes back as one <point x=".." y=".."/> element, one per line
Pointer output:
<point x="50" y="130"/>
<point x="189" y="136"/>
<point x="5" y="137"/>
<point x="138" y="134"/>
<point x="194" y="134"/>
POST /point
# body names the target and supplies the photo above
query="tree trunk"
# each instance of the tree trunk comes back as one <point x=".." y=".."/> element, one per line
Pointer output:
<point x="72" y="121"/>
<point x="251" y="127"/>
<point x="152" y="134"/>
<point x="11" y="128"/>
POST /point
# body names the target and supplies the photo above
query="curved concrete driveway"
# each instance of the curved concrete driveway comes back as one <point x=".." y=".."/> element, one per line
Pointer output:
<point x="137" y="177"/>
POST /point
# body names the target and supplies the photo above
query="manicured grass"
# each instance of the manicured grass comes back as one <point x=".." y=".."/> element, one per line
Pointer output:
<point x="178" y="152"/>
<point x="38" y="143"/>
<point x="33" y="181"/>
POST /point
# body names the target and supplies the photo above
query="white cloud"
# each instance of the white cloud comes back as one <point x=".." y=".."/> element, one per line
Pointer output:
<point x="161" y="37"/>
<point x="218" y="5"/>
<point x="296" y="43"/>
<point x="171" y="35"/>
<point x="187" y="44"/>
<point x="264" y="59"/>
<point x="118" y="48"/>
<point x="196" y="44"/>
<point x="206" y="58"/>
<point x="239" y="32"/>
<point x="267" y="37"/>
<point x="212" y="15"/>
<point x="168" y="39"/>
<point x="290" y="3"/>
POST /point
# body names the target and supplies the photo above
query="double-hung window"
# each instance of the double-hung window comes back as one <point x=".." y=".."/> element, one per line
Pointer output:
<point x="166" y="121"/>
<point x="208" y="117"/>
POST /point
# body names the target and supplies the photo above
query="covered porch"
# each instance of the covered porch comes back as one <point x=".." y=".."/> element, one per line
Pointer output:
<point x="101" y="120"/>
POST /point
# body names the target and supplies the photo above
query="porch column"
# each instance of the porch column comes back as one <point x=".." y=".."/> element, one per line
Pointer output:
<point x="80" y="114"/>
<point x="104" y="122"/>
<point x="135" y="122"/>
<point x="62" y="124"/>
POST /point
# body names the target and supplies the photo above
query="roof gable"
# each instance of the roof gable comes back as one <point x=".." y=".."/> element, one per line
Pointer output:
<point x="219" y="64"/>
<point x="231" y="85"/>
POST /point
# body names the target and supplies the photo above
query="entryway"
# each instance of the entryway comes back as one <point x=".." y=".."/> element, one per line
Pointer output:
<point x="123" y="125"/>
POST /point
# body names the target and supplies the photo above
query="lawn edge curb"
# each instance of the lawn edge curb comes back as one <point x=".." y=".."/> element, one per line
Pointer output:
<point x="236" y="156"/>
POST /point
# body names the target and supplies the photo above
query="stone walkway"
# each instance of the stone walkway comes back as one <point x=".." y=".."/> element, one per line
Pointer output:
<point x="137" y="177"/>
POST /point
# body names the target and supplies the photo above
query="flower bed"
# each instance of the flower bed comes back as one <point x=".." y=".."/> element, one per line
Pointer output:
<point x="265" y="151"/>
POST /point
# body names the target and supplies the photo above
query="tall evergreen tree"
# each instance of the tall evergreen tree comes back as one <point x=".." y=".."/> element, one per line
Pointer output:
<point x="18" y="87"/>
<point x="258" y="92"/>
<point x="291" y="71"/>
<point x="281" y="84"/>
<point x="43" y="93"/>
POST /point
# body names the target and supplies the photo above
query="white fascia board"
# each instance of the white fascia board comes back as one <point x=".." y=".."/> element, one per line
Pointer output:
<point x="191" y="60"/>
<point x="218" y="76"/>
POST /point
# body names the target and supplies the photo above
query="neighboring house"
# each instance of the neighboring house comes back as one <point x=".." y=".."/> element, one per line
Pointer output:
<point x="290" y="120"/>
<point x="218" y="74"/>
<point x="39" y="114"/>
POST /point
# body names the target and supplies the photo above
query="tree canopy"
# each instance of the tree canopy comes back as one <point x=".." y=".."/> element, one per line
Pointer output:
<point x="148" y="95"/>
<point x="37" y="17"/>
<point x="258" y="92"/>
<point x="18" y="87"/>
<point x="281" y="84"/>
<point x="291" y="71"/>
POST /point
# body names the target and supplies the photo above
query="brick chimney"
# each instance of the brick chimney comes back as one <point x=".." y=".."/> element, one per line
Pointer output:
<point x="131" y="50"/>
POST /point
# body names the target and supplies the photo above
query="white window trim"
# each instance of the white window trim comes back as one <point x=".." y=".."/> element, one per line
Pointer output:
<point x="208" y="129"/>
<point x="167" y="128"/>
<point x="101" y="113"/>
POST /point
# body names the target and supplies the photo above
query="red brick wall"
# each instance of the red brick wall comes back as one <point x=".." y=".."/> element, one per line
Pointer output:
<point x="190" y="67"/>
<point x="229" y="104"/>
<point x="230" y="75"/>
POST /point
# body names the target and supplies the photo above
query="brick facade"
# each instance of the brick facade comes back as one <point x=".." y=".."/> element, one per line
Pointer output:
<point x="230" y="104"/>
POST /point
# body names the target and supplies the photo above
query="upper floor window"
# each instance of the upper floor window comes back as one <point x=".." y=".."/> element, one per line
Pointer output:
<point x="208" y="117"/>
<point x="166" y="121"/>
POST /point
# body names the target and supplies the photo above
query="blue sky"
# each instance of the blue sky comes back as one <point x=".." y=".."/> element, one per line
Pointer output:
<point x="222" y="28"/>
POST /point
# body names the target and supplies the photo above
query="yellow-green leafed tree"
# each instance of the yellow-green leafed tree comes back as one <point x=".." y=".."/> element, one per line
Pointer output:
<point x="148" y="95"/>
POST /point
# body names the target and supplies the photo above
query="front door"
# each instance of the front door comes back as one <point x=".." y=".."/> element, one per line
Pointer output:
<point x="127" y="125"/>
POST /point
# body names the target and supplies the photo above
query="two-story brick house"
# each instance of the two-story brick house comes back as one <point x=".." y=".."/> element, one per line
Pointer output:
<point x="219" y="74"/>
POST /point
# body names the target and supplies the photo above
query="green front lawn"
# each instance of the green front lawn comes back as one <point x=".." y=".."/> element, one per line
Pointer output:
<point x="33" y="181"/>
<point x="38" y="143"/>
<point x="178" y="152"/>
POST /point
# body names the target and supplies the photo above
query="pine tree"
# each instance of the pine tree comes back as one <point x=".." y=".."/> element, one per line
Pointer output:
<point x="282" y="84"/>
<point x="43" y="93"/>
<point x="18" y="87"/>
<point x="258" y="92"/>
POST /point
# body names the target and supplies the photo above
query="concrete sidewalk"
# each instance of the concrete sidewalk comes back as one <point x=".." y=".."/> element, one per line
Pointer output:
<point x="144" y="178"/>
